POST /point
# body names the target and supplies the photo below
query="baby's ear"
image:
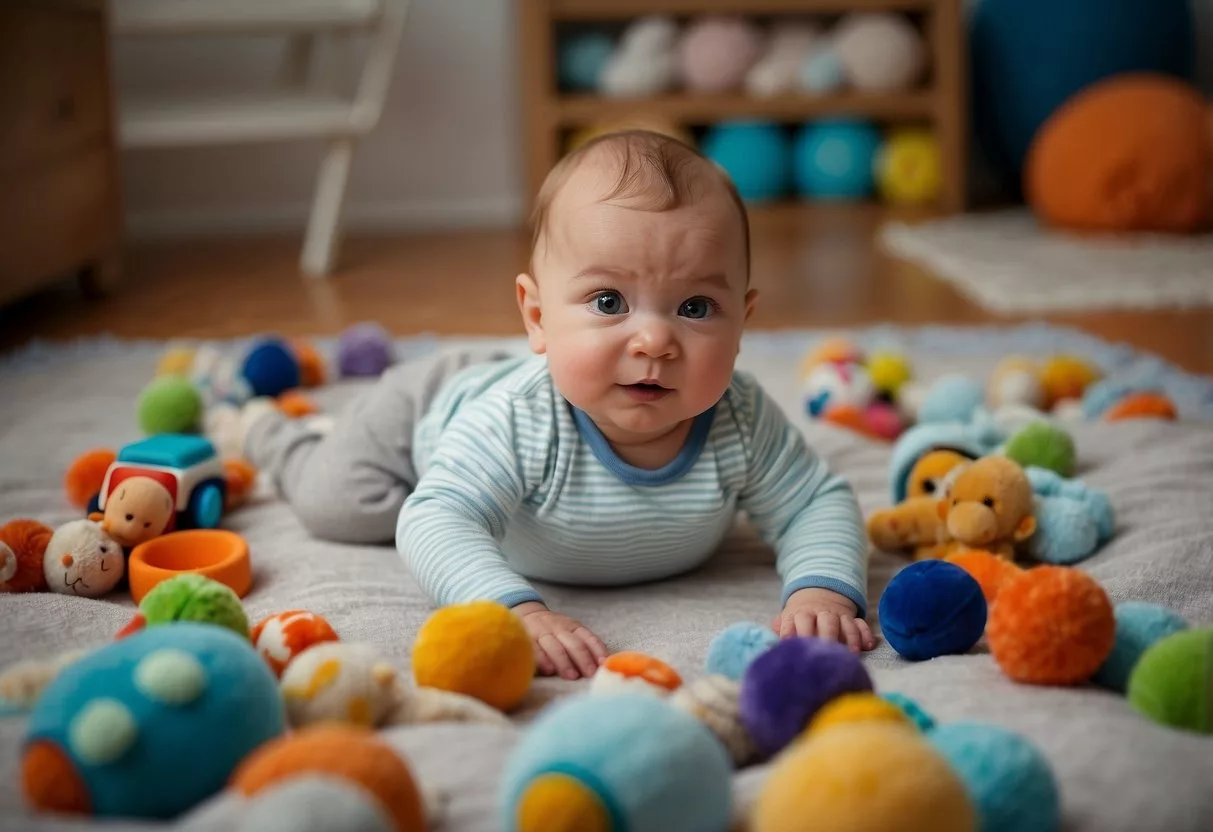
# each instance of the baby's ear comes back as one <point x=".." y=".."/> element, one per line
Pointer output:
<point x="751" y="297"/>
<point x="532" y="315"/>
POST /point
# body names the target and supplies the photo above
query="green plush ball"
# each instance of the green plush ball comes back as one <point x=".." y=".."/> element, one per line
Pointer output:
<point x="1172" y="683"/>
<point x="193" y="597"/>
<point x="169" y="404"/>
<point x="1043" y="445"/>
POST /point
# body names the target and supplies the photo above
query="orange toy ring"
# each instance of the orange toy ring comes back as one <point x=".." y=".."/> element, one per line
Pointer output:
<point x="216" y="553"/>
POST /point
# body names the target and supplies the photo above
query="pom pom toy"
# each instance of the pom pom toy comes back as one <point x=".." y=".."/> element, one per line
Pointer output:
<point x="1007" y="778"/>
<point x="952" y="398"/>
<point x="716" y="52"/>
<point x="1043" y="445"/>
<point x="913" y="711"/>
<point x="788" y="45"/>
<point x="1144" y="405"/>
<point x="1066" y="377"/>
<point x="311" y="362"/>
<point x="754" y="154"/>
<point x="734" y="647"/>
<point x="932" y="608"/>
<point x="23" y="543"/>
<point x="1052" y="625"/>
<point x="241" y="477"/>
<point x="364" y="350"/>
<point x="479" y="649"/>
<point x="169" y="404"/>
<point x="909" y="167"/>
<point x="833" y="350"/>
<point x="84" y="476"/>
<point x="280" y="637"/>
<point x="295" y="405"/>
<point x="177" y="360"/>
<point x="270" y="368"/>
<point x="633" y="671"/>
<point x="81" y="559"/>
<point x="857" y="707"/>
<point x="314" y="802"/>
<point x="149" y="726"/>
<point x="343" y="752"/>
<point x="1139" y="625"/>
<point x="880" y="51"/>
<point x="990" y="571"/>
<point x="863" y="776"/>
<point x="888" y="372"/>
<point x="835" y="384"/>
<point x="784" y="687"/>
<point x="1172" y="683"/>
<point x="834" y="159"/>
<point x="645" y="62"/>
<point x="190" y="597"/>
<point x="715" y="701"/>
<point x="630" y="761"/>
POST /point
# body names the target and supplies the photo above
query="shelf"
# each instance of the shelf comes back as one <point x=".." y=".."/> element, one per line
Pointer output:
<point x="581" y="109"/>
<point x="617" y="9"/>
<point x="162" y="17"/>
<point x="272" y="117"/>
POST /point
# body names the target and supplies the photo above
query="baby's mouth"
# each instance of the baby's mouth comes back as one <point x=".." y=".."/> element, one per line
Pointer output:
<point x="646" y="391"/>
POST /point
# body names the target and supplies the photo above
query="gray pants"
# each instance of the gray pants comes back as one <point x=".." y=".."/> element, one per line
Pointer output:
<point x="347" y="485"/>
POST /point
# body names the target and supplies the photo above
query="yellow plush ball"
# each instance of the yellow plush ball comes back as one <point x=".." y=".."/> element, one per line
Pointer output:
<point x="863" y="777"/>
<point x="479" y="649"/>
<point x="909" y="167"/>
<point x="857" y="707"/>
<point x="1067" y="377"/>
<point x="888" y="371"/>
<point x="176" y="361"/>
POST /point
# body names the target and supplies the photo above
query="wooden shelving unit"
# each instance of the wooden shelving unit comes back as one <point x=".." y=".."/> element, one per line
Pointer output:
<point x="549" y="114"/>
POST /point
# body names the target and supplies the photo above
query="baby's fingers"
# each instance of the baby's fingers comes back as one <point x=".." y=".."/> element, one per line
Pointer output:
<point x="579" y="652"/>
<point x="558" y="655"/>
<point x="865" y="634"/>
<point x="804" y="624"/>
<point x="542" y="662"/>
<point x="828" y="626"/>
<point x="850" y="632"/>
<point x="597" y="648"/>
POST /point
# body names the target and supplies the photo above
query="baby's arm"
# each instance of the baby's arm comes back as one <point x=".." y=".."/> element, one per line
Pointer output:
<point x="449" y="526"/>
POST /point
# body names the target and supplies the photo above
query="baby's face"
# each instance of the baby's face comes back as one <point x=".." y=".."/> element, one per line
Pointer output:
<point x="639" y="312"/>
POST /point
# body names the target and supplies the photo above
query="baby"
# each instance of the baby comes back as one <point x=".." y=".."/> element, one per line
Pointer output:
<point x="619" y="452"/>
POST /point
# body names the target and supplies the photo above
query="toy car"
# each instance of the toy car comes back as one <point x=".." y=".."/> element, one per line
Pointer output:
<point x="186" y="465"/>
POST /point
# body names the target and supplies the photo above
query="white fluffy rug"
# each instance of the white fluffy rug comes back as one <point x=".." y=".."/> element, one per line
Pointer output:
<point x="1007" y="262"/>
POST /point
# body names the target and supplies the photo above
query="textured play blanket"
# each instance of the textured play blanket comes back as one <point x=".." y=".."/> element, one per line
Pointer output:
<point x="1117" y="771"/>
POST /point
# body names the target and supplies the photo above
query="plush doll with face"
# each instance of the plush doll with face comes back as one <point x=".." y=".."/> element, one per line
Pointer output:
<point x="915" y="524"/>
<point x="990" y="507"/>
<point x="81" y="559"/>
<point x="137" y="510"/>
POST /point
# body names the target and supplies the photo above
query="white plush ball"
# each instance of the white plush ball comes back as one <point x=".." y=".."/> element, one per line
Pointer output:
<point x="880" y="51"/>
<point x="717" y="51"/>
<point x="829" y="385"/>
<point x="645" y="62"/>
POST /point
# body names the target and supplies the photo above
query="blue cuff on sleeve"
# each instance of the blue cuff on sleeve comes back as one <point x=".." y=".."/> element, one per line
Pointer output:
<point x="519" y="596"/>
<point x="832" y="584"/>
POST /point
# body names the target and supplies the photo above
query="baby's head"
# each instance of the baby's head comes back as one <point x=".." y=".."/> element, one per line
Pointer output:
<point x="639" y="282"/>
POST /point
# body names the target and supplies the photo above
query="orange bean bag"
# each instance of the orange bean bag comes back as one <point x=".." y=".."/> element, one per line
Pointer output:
<point x="1130" y="153"/>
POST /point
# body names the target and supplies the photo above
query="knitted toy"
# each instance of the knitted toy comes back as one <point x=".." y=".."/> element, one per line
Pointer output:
<point x="280" y="637"/>
<point x="137" y="510"/>
<point x="85" y="475"/>
<point x="990" y="507"/>
<point x="629" y="761"/>
<point x="149" y="726"/>
<point x="715" y="701"/>
<point x="633" y="671"/>
<point x="857" y="707"/>
<point x="932" y="608"/>
<point x="81" y="559"/>
<point x="364" y="350"/>
<point x="190" y="597"/>
<point x="733" y="648"/>
<point x="22" y="545"/>
<point x="1139" y="626"/>
<point x="1172" y="683"/>
<point x="269" y="368"/>
<point x="169" y="404"/>
<point x="990" y="571"/>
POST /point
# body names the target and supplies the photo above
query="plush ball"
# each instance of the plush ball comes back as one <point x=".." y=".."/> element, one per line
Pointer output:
<point x="822" y="71"/>
<point x="990" y="571"/>
<point x="241" y="477"/>
<point x="281" y="637"/>
<point x="880" y="51"/>
<point x="345" y="752"/>
<point x="295" y="405"/>
<point x="1043" y="445"/>
<point x="889" y="371"/>
<point x="883" y="421"/>
<point x="1139" y="625"/>
<point x="1142" y="406"/>
<point x="835" y="349"/>
<point x="630" y="761"/>
<point x="784" y="688"/>
<point x="716" y="52"/>
<point x="1008" y="779"/>
<point x="952" y="398"/>
<point x="932" y="608"/>
<point x="339" y="682"/>
<point x="756" y="156"/>
<point x="787" y="47"/>
<point x="864" y="776"/>
<point x="479" y="649"/>
<point x="633" y="671"/>
<point x="1052" y="625"/>
<point x="23" y="543"/>
<point x="149" y="726"/>
<point x="193" y="597"/>
<point x="1130" y="153"/>
<point x="310" y="361"/>
<point x="169" y="404"/>
<point x="364" y="350"/>
<point x="1172" y="683"/>
<point x="1067" y="377"/>
<point x="314" y="803"/>
<point x="85" y="475"/>
<point x="645" y="62"/>
<point x="837" y="385"/>
<point x="580" y="59"/>
<point x="715" y="701"/>
<point x="909" y="167"/>
<point x="834" y="159"/>
<point x="1016" y="380"/>
<point x="734" y="647"/>
<point x="82" y="559"/>
<point x="913" y="711"/>
<point x="177" y="360"/>
<point x="270" y="368"/>
<point x="856" y="707"/>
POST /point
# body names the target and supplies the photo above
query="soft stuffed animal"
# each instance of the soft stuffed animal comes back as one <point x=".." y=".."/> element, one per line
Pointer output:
<point x="990" y="507"/>
<point x="915" y="523"/>
<point x="645" y="62"/>
<point x="81" y="559"/>
<point x="138" y="510"/>
<point x="22" y="544"/>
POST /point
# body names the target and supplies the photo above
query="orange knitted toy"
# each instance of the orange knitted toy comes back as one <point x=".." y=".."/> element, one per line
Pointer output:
<point x="990" y="571"/>
<point x="1052" y="625"/>
<point x="85" y="475"/>
<point x="311" y="365"/>
<point x="22" y="545"/>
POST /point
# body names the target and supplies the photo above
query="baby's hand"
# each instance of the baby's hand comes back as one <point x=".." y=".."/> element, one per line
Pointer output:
<point x="562" y="644"/>
<point x="825" y="614"/>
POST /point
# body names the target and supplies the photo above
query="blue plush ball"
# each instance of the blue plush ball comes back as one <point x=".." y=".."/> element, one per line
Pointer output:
<point x="1007" y="778"/>
<point x="834" y="159"/>
<point x="580" y="59"/>
<point x="755" y="154"/>
<point x="932" y="608"/>
<point x="1139" y="625"/>
<point x="641" y="763"/>
<point x="154" y="723"/>
<point x="270" y="368"/>
<point x="952" y="398"/>
<point x="734" y="647"/>
<point x="912" y="709"/>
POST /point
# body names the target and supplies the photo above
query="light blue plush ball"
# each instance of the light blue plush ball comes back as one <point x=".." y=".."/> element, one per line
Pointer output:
<point x="580" y="59"/>
<point x="755" y="154"/>
<point x="734" y="647"/>
<point x="1066" y="532"/>
<point x="822" y="72"/>
<point x="952" y="398"/>
<point x="833" y="159"/>
<point x="1007" y="778"/>
<point x="912" y="709"/>
<point x="1139" y="625"/>
<point x="655" y="767"/>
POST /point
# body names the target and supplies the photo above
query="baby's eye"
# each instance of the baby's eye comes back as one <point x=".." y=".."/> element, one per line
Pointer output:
<point x="696" y="308"/>
<point x="609" y="303"/>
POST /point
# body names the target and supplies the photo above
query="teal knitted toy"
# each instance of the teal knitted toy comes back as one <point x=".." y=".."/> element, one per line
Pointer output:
<point x="1139" y="625"/>
<point x="912" y="709"/>
<point x="734" y="647"/>
<point x="1172" y="683"/>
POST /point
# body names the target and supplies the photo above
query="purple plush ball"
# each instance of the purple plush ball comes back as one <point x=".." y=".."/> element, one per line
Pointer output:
<point x="364" y="350"/>
<point x="785" y="686"/>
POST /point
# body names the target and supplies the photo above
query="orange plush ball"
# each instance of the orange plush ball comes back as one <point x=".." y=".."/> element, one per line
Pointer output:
<point x="241" y="476"/>
<point x="1052" y="625"/>
<point x="990" y="571"/>
<point x="1142" y="406"/>
<point x="283" y="636"/>
<point x="295" y="405"/>
<point x="1130" y="153"/>
<point x="22" y="545"/>
<point x="311" y="364"/>
<point x="85" y="475"/>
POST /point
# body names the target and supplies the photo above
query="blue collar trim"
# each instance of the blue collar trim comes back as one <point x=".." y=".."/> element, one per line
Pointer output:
<point x="630" y="474"/>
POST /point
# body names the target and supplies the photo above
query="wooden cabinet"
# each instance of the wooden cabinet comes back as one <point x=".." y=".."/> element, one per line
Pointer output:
<point x="60" y="206"/>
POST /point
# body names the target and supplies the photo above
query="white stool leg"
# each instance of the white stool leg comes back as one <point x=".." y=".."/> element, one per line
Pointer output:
<point x="324" y="226"/>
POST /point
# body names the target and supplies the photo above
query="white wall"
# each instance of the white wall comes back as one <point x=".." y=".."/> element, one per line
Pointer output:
<point x="447" y="152"/>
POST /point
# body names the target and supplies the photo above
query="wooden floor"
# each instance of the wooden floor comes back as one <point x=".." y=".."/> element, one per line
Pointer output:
<point x="813" y="267"/>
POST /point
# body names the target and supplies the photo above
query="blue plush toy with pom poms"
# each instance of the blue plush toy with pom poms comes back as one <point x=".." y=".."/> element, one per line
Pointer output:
<point x="734" y="647"/>
<point x="932" y="608"/>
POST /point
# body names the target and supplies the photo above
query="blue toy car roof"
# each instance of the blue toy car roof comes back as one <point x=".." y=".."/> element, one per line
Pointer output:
<point x="172" y="450"/>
